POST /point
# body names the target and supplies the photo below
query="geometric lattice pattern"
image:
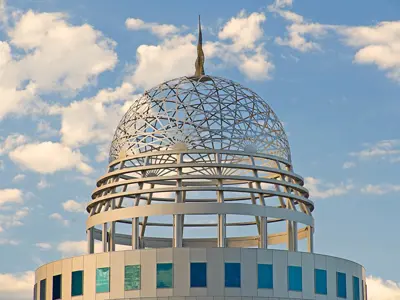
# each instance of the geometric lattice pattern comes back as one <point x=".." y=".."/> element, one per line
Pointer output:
<point x="200" y="113"/>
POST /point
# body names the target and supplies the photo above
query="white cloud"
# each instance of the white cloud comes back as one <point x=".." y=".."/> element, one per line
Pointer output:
<point x="380" y="189"/>
<point x="9" y="242"/>
<point x="11" y="142"/>
<point x="320" y="189"/>
<point x="14" y="219"/>
<point x="49" y="157"/>
<point x="382" y="149"/>
<point x="45" y="130"/>
<point x="378" y="44"/>
<point x="380" y="289"/>
<point x="42" y="184"/>
<point x="19" y="177"/>
<point x="74" y="206"/>
<point x="160" y="30"/>
<point x="18" y="286"/>
<point x="10" y="196"/>
<point x="58" y="217"/>
<point x="349" y="164"/>
<point x="43" y="246"/>
<point x="72" y="248"/>
<point x="46" y="41"/>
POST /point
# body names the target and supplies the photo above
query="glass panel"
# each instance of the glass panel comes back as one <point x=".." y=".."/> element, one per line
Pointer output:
<point x="132" y="278"/>
<point x="265" y="277"/>
<point x="232" y="275"/>
<point x="102" y="280"/>
<point x="198" y="274"/>
<point x="164" y="275"/>
<point x="43" y="289"/>
<point x="77" y="283"/>
<point x="295" y="279"/>
<point x="341" y="285"/>
<point x="57" y="287"/>
<point x="321" y="286"/>
<point x="356" y="288"/>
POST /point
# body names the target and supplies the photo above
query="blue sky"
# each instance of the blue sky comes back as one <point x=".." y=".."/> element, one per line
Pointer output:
<point x="70" y="69"/>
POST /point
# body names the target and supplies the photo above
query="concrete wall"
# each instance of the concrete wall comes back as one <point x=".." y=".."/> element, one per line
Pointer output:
<point x="215" y="258"/>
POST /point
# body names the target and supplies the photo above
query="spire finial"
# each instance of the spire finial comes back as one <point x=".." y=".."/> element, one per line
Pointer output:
<point x="200" y="55"/>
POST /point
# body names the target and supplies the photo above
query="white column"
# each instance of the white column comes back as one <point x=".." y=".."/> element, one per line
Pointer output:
<point x="263" y="233"/>
<point x="310" y="239"/>
<point x="177" y="223"/>
<point x="135" y="233"/>
<point x="104" y="237"/>
<point x="221" y="217"/>
<point x="90" y="241"/>
<point x="294" y="235"/>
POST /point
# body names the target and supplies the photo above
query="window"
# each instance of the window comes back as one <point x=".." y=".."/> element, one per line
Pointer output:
<point x="77" y="283"/>
<point x="102" y="280"/>
<point x="42" y="289"/>
<point x="165" y="276"/>
<point x="56" y="287"/>
<point x="232" y="275"/>
<point x="198" y="274"/>
<point x="341" y="285"/>
<point x="356" y="288"/>
<point x="132" y="278"/>
<point x="295" y="280"/>
<point x="321" y="282"/>
<point x="265" y="276"/>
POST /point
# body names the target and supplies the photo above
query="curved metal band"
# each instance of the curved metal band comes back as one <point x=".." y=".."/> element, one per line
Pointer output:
<point x="199" y="209"/>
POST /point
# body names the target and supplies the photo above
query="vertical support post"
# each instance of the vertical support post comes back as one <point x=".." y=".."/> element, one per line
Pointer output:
<point x="263" y="233"/>
<point x="135" y="234"/>
<point x="289" y="235"/>
<point x="104" y="237"/>
<point x="310" y="239"/>
<point x="90" y="240"/>
<point x="294" y="235"/>
<point x="178" y="224"/>
<point x="221" y="217"/>
<point x="111" y="242"/>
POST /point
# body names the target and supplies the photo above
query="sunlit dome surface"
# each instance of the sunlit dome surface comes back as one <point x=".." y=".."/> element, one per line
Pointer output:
<point x="200" y="113"/>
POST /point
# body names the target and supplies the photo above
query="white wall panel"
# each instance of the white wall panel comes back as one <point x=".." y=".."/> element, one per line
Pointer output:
<point x="215" y="272"/>
<point x="148" y="273"/>
<point x="331" y="263"/>
<point x="181" y="272"/>
<point x="198" y="254"/>
<point x="49" y="281"/>
<point x="307" y="263"/>
<point x="89" y="277"/>
<point x="117" y="275"/>
<point x="280" y="262"/>
<point x="66" y="278"/>
<point x="249" y="272"/>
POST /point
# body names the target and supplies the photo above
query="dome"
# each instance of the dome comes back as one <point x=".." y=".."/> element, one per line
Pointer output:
<point x="203" y="112"/>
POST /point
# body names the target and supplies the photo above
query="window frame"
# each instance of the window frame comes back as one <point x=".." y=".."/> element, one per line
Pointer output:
<point x="271" y="285"/>
<point x="172" y="276"/>
<point x="205" y="274"/>
<point x="72" y="282"/>
<point x="294" y="268"/>
<point x="227" y="283"/>
<point x="140" y="278"/>
<point x="108" y="281"/>
<point x="339" y="274"/>
<point x="325" y="283"/>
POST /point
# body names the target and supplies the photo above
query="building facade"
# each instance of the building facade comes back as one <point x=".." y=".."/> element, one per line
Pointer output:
<point x="200" y="201"/>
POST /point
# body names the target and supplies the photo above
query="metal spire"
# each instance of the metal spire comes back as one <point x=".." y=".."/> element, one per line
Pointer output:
<point x="200" y="55"/>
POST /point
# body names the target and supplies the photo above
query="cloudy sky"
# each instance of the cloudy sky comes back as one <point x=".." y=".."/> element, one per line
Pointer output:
<point x="70" y="69"/>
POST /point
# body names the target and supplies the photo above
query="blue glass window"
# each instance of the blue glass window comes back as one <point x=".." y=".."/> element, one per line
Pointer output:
<point x="356" y="288"/>
<point x="56" y="287"/>
<point x="232" y="275"/>
<point x="165" y="276"/>
<point x="198" y="274"/>
<point x="42" y="289"/>
<point x="265" y="276"/>
<point x="341" y="285"/>
<point x="77" y="283"/>
<point x="321" y="285"/>
<point x="295" y="279"/>
<point x="102" y="280"/>
<point x="132" y="278"/>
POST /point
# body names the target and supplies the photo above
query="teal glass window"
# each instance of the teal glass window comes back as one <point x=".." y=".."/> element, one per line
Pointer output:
<point x="42" y="289"/>
<point x="56" y="287"/>
<point x="132" y="278"/>
<point x="341" y="285"/>
<point x="102" y="280"/>
<point x="77" y="283"/>
<point x="198" y="274"/>
<point x="295" y="279"/>
<point x="321" y="284"/>
<point x="356" y="288"/>
<point x="265" y="276"/>
<point x="165" y="275"/>
<point x="232" y="275"/>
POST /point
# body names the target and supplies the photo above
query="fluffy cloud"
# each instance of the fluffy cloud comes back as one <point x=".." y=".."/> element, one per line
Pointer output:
<point x="42" y="184"/>
<point x="19" y="177"/>
<point x="43" y="246"/>
<point x="72" y="248"/>
<point x="349" y="164"/>
<point x="45" y="130"/>
<point x="380" y="289"/>
<point x="17" y="286"/>
<point x="385" y="149"/>
<point x="378" y="44"/>
<point x="49" y="157"/>
<point x="11" y="142"/>
<point x="14" y="219"/>
<point x="10" y="196"/>
<point x="46" y="41"/>
<point x="73" y="206"/>
<point x="380" y="189"/>
<point x="59" y="218"/>
<point x="320" y="189"/>
<point x="160" y="30"/>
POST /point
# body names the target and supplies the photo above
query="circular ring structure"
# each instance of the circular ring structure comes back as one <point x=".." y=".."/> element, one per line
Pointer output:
<point x="179" y="191"/>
